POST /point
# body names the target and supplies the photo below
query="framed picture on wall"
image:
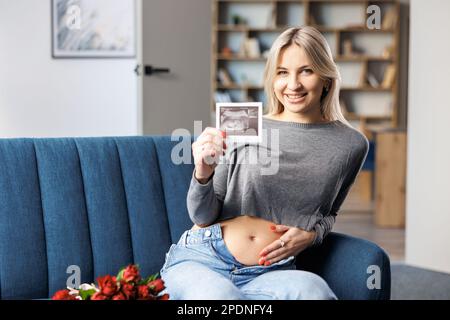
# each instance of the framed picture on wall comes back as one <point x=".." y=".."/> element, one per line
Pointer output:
<point x="93" y="28"/>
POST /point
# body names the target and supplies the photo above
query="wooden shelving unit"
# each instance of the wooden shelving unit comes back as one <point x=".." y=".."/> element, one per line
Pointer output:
<point x="237" y="20"/>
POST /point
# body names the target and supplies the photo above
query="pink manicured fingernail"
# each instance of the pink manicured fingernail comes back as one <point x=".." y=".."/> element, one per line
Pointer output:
<point x="273" y="228"/>
<point x="261" y="261"/>
<point x="267" y="263"/>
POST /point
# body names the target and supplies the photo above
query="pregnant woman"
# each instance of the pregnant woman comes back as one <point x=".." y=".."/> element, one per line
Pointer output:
<point x="249" y="225"/>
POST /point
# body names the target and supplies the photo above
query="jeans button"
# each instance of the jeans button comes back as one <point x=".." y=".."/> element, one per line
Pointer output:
<point x="208" y="233"/>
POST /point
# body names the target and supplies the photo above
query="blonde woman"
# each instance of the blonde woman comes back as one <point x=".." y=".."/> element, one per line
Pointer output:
<point x="249" y="227"/>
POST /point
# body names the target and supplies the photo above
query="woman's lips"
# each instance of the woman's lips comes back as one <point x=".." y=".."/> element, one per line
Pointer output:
<point x="296" y="98"/>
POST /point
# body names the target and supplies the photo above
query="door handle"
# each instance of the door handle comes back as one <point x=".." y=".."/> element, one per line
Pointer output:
<point x="137" y="70"/>
<point x="150" y="70"/>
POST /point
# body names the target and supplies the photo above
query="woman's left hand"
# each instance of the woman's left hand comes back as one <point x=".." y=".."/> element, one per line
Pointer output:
<point x="292" y="241"/>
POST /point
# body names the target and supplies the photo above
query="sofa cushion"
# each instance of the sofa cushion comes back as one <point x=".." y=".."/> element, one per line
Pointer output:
<point x="98" y="203"/>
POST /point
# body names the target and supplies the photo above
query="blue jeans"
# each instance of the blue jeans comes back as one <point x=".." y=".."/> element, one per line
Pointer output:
<point x="200" y="267"/>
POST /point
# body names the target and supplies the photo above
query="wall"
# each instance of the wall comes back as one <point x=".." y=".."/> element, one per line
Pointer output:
<point x="43" y="97"/>
<point x="428" y="172"/>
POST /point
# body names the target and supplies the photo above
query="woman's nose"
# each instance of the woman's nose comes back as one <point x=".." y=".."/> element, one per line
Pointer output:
<point x="294" y="83"/>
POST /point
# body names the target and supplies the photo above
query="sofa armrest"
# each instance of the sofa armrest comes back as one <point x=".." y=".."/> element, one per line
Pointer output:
<point x="346" y="263"/>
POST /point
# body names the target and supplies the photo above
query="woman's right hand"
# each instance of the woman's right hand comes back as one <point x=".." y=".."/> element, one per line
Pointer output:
<point x="207" y="150"/>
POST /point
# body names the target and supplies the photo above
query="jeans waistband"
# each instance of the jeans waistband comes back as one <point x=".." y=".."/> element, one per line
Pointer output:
<point x="201" y="235"/>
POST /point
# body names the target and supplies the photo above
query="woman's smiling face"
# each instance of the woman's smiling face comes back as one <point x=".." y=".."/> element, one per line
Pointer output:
<point x="296" y="85"/>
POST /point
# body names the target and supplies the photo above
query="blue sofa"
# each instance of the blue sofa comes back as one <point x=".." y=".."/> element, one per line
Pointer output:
<point x="102" y="203"/>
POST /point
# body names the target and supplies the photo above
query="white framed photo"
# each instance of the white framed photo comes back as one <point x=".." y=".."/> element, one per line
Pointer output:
<point x="93" y="28"/>
<point x="242" y="121"/>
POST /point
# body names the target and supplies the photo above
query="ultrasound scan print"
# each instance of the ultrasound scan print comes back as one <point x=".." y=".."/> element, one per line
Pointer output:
<point x="241" y="121"/>
<point x="234" y="121"/>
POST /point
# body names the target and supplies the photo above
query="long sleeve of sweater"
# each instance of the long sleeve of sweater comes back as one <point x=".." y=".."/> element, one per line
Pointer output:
<point x="205" y="201"/>
<point x="356" y="161"/>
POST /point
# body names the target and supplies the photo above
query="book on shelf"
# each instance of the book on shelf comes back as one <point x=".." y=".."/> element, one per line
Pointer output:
<point x="389" y="77"/>
<point x="224" y="77"/>
<point x="372" y="80"/>
<point x="363" y="77"/>
<point x="389" y="20"/>
<point x="250" y="48"/>
<point x="222" y="96"/>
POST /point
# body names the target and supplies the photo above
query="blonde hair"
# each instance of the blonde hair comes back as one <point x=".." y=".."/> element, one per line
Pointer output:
<point x="322" y="63"/>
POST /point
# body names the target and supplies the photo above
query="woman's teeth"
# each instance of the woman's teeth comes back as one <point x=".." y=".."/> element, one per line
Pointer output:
<point x="296" y="97"/>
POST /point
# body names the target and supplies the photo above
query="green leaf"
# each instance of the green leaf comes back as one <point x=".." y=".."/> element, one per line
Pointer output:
<point x="153" y="277"/>
<point x="143" y="281"/>
<point x="120" y="274"/>
<point x="85" y="294"/>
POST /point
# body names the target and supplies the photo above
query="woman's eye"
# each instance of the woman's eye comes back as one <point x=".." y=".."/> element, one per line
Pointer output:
<point x="281" y="72"/>
<point x="307" y="71"/>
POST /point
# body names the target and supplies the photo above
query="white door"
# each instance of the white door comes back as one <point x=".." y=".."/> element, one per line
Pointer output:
<point x="176" y="35"/>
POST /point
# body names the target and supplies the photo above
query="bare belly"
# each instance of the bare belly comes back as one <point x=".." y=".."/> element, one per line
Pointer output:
<point x="246" y="236"/>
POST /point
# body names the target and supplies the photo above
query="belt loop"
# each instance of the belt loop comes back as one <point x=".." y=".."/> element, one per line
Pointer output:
<point x="186" y="238"/>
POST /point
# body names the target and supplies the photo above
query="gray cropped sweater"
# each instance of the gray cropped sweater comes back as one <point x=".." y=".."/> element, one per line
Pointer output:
<point x="298" y="176"/>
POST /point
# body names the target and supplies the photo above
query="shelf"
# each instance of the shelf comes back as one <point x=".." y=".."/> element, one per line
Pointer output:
<point x="296" y="1"/>
<point x="244" y="28"/>
<point x="361" y="58"/>
<point x="239" y="87"/>
<point x="352" y="29"/>
<point x="371" y="89"/>
<point x="354" y="116"/>
<point x="371" y="52"/>
<point x="238" y="58"/>
<point x="343" y="1"/>
<point x="244" y="1"/>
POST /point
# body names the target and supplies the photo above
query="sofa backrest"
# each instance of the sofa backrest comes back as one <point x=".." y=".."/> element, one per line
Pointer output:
<point x="98" y="203"/>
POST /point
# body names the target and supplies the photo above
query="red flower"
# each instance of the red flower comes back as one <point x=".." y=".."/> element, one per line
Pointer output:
<point x="63" y="295"/>
<point x="108" y="285"/>
<point x="156" y="285"/>
<point x="164" y="297"/>
<point x="131" y="274"/>
<point x="119" y="296"/>
<point x="128" y="285"/>
<point x="143" y="293"/>
<point x="127" y="289"/>
<point x="99" y="296"/>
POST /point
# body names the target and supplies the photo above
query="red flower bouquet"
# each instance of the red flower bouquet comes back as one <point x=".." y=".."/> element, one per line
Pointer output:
<point x="127" y="285"/>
